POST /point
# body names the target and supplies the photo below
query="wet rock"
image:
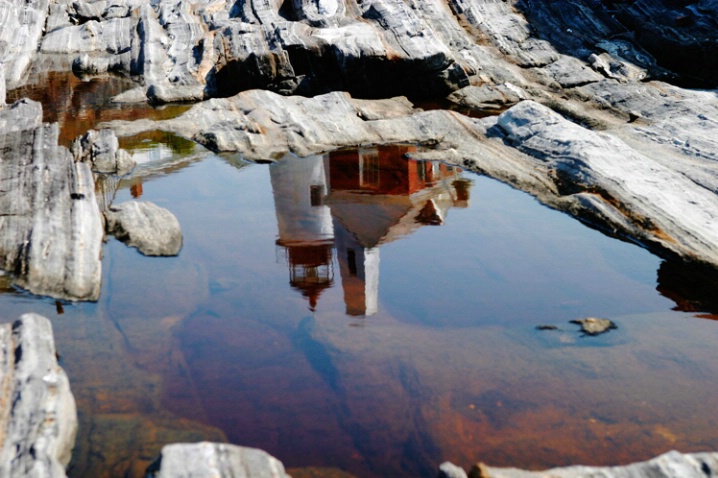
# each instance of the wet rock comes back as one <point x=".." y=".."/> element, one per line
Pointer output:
<point x="669" y="465"/>
<point x="595" y="326"/>
<point x="153" y="230"/>
<point x="51" y="225"/>
<point x="546" y="327"/>
<point x="101" y="149"/>
<point x="449" y="470"/>
<point x="205" y="460"/>
<point x="39" y="419"/>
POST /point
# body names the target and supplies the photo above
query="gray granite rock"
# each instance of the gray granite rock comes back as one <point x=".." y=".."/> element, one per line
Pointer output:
<point x="669" y="465"/>
<point x="2" y="86"/>
<point x="613" y="184"/>
<point x="153" y="230"/>
<point x="101" y="149"/>
<point x="51" y="225"/>
<point x="209" y="460"/>
<point x="38" y="422"/>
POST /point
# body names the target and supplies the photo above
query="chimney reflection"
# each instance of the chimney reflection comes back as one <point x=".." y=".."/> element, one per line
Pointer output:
<point x="353" y="202"/>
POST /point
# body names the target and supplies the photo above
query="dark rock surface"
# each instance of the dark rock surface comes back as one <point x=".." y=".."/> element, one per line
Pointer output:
<point x="38" y="422"/>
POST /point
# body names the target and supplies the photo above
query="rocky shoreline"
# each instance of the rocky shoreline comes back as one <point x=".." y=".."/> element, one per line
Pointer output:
<point x="597" y="119"/>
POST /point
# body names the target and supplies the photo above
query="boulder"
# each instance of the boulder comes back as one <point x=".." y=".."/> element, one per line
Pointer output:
<point x="153" y="230"/>
<point x="209" y="460"/>
<point x="39" y="420"/>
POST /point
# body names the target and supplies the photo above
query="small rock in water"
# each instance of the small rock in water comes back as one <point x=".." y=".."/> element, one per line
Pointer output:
<point x="546" y="327"/>
<point x="449" y="470"/>
<point x="153" y="230"/>
<point x="594" y="326"/>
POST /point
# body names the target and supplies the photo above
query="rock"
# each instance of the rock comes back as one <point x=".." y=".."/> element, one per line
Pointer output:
<point x="546" y="327"/>
<point x="487" y="96"/>
<point x="21" y="29"/>
<point x="614" y="185"/>
<point x="449" y="470"/>
<point x="594" y="326"/>
<point x="101" y="149"/>
<point x="207" y="460"/>
<point x="153" y="230"/>
<point x="2" y="85"/>
<point x="669" y="465"/>
<point x="39" y="419"/>
<point x="51" y="225"/>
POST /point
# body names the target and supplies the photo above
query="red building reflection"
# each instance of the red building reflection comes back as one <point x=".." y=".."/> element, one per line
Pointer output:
<point x="352" y="202"/>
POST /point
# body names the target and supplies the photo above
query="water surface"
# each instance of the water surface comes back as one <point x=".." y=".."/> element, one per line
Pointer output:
<point x="361" y="312"/>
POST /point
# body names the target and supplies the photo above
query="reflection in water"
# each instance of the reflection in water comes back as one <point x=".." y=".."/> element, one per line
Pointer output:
<point x="693" y="287"/>
<point x="353" y="202"/>
<point x="79" y="105"/>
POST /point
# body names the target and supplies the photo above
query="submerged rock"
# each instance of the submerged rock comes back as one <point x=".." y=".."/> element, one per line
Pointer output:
<point x="594" y="326"/>
<point x="669" y="465"/>
<point x="38" y="422"/>
<point x="206" y="460"/>
<point x="153" y="230"/>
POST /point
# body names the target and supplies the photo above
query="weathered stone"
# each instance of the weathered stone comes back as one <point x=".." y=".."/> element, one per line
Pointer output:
<point x="617" y="186"/>
<point x="38" y="422"/>
<point x="488" y="96"/>
<point x="2" y="85"/>
<point x="669" y="465"/>
<point x="449" y="470"/>
<point x="207" y="460"/>
<point x="101" y="149"/>
<point x="153" y="230"/>
<point x="52" y="229"/>
<point x="595" y="326"/>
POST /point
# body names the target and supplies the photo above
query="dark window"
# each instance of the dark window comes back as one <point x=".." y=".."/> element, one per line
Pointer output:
<point x="352" y="261"/>
<point x="315" y="195"/>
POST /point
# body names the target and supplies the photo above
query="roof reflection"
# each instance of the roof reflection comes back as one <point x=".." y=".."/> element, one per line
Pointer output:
<point x="349" y="203"/>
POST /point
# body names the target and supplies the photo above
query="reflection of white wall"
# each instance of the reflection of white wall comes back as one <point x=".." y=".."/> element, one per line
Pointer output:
<point x="359" y="268"/>
<point x="298" y="220"/>
<point x="371" y="280"/>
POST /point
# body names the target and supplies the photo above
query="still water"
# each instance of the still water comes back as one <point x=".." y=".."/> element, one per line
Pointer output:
<point x="357" y="313"/>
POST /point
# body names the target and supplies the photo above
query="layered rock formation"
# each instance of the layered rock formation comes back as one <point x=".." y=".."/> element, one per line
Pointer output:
<point x="38" y="420"/>
<point x="51" y="225"/>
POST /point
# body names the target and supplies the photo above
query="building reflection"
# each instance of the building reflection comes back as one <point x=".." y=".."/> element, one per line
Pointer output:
<point x="350" y="203"/>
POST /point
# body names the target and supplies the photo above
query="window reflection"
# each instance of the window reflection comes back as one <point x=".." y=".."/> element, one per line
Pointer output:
<point x="344" y="206"/>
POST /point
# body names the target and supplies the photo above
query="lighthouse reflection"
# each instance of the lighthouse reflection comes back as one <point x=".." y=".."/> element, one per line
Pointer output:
<point x="338" y="210"/>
